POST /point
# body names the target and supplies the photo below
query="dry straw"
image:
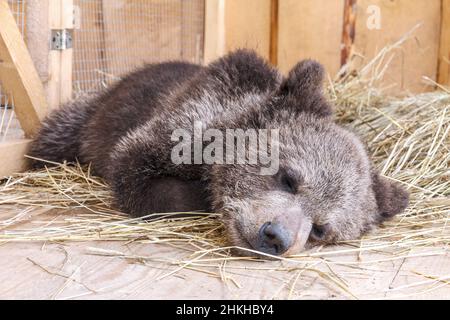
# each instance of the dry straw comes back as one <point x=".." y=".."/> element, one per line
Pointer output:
<point x="409" y="142"/>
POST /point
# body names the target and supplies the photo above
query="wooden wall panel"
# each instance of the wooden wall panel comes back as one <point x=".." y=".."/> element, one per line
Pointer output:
<point x="418" y="56"/>
<point x="310" y="29"/>
<point x="37" y="36"/>
<point x="233" y="24"/>
<point x="248" y="25"/>
<point x="214" y="45"/>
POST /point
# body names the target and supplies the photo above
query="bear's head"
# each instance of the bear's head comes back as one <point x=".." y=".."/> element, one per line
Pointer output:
<point x="326" y="189"/>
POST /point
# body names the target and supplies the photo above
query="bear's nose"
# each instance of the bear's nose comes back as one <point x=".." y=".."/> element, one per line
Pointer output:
<point x="273" y="239"/>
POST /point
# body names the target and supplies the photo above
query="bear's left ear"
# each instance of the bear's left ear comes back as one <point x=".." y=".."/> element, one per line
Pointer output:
<point x="391" y="198"/>
<point x="303" y="89"/>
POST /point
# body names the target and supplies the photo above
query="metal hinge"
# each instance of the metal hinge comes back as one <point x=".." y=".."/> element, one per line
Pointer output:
<point x="62" y="39"/>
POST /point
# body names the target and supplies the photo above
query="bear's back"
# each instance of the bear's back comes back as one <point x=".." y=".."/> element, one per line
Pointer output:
<point x="130" y="103"/>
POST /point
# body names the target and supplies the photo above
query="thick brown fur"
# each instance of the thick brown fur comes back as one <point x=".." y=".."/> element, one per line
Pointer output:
<point x="333" y="193"/>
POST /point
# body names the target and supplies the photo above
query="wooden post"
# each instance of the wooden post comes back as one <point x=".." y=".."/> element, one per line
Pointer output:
<point x="444" y="48"/>
<point x="37" y="35"/>
<point x="18" y="74"/>
<point x="214" y="30"/>
<point x="67" y="22"/>
<point x="348" y="33"/>
<point x="54" y="57"/>
<point x="59" y="86"/>
<point x="232" y="24"/>
<point x="310" y="29"/>
<point x="273" y="55"/>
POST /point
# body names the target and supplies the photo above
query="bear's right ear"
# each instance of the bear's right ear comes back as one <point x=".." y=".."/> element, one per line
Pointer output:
<point x="303" y="89"/>
<point x="391" y="198"/>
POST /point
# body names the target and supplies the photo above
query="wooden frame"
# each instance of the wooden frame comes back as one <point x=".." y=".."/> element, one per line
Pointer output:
<point x="274" y="22"/>
<point x="214" y="30"/>
<point x="20" y="78"/>
<point x="348" y="32"/>
<point x="18" y="74"/>
<point x="59" y="86"/>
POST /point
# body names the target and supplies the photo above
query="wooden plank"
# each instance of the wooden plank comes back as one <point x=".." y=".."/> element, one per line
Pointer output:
<point x="233" y="24"/>
<point x="12" y="160"/>
<point x="18" y="8"/>
<point x="444" y="48"/>
<point x="247" y="25"/>
<point x="59" y="86"/>
<point x="348" y="33"/>
<point x="37" y="36"/>
<point x="20" y="15"/>
<point x="67" y="22"/>
<point x="18" y="74"/>
<point x="214" y="45"/>
<point x="418" y="56"/>
<point x="310" y="29"/>
<point x="54" y="57"/>
<point x="274" y="15"/>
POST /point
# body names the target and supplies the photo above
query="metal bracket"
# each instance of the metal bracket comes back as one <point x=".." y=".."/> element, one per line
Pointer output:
<point x="62" y="39"/>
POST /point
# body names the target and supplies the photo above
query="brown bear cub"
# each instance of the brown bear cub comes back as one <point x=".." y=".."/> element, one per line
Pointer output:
<point x="324" y="189"/>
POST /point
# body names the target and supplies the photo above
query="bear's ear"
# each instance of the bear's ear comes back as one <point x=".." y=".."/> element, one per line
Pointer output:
<point x="391" y="198"/>
<point x="306" y="76"/>
<point x="303" y="88"/>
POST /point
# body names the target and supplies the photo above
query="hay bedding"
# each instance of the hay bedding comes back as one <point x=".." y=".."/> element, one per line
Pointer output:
<point x="407" y="137"/>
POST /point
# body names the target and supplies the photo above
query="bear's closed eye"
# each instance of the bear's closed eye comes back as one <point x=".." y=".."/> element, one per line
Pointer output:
<point x="289" y="181"/>
<point x="288" y="184"/>
<point x="319" y="232"/>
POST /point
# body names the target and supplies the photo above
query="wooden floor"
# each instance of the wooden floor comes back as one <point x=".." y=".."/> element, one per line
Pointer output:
<point x="72" y="271"/>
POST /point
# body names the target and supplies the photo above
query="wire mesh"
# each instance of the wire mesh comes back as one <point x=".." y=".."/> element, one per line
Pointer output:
<point x="9" y="125"/>
<point x="114" y="37"/>
<point x="18" y="9"/>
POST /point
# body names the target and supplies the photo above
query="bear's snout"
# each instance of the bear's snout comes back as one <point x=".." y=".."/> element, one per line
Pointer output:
<point x="274" y="239"/>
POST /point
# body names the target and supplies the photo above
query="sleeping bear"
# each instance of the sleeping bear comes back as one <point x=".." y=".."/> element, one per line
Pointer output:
<point x="324" y="188"/>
